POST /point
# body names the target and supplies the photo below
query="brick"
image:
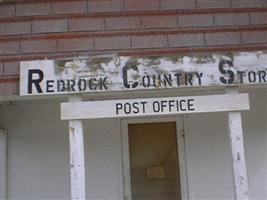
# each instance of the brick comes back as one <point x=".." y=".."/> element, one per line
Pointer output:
<point x="229" y="19"/>
<point x="36" y="46"/>
<point x="1" y="68"/>
<point x="199" y="20"/>
<point x="159" y="21"/>
<point x="15" y="28"/>
<point x="11" y="68"/>
<point x="75" y="44"/>
<point x="249" y="3"/>
<point x="214" y="3"/>
<point x="186" y="40"/>
<point x="226" y="38"/>
<point x="46" y="26"/>
<point x="10" y="47"/>
<point x="7" y="10"/>
<point x="258" y="18"/>
<point x="28" y="9"/>
<point x="113" y="23"/>
<point x="86" y="24"/>
<point x="66" y="7"/>
<point x="150" y="41"/>
<point x="105" y="6"/>
<point x="254" y="37"/>
<point x="177" y="4"/>
<point x="117" y="42"/>
<point x="140" y="5"/>
<point x="7" y="89"/>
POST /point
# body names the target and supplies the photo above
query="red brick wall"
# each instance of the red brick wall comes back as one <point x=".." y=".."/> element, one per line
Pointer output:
<point x="38" y="29"/>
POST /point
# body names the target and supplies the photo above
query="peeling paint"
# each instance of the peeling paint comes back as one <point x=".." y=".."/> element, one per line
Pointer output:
<point x="72" y="130"/>
<point x="130" y="73"/>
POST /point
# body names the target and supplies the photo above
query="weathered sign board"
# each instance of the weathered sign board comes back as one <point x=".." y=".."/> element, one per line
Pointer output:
<point x="154" y="106"/>
<point x="46" y="77"/>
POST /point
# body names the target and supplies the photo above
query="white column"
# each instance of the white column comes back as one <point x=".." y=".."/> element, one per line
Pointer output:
<point x="238" y="154"/>
<point x="3" y="168"/>
<point x="77" y="168"/>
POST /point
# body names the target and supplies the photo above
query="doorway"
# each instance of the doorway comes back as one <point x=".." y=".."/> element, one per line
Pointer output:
<point x="154" y="161"/>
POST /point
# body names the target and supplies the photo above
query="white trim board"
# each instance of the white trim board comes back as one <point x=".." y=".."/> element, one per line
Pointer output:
<point x="154" y="106"/>
<point x="3" y="165"/>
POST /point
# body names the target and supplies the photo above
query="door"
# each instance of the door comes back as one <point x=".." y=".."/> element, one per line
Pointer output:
<point x="154" y="165"/>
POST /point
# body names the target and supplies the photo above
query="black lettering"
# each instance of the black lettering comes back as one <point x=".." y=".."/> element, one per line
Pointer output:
<point x="127" y="108"/>
<point x="61" y="86"/>
<point x="199" y="77"/>
<point x="71" y="84"/>
<point x="262" y="76"/>
<point x="128" y="65"/>
<point x="102" y="83"/>
<point x="241" y="75"/>
<point x="147" y="82"/>
<point x="49" y="86"/>
<point x="154" y="81"/>
<point x="157" y="82"/>
<point x="144" y="106"/>
<point x="188" y="79"/>
<point x="190" y="104"/>
<point x="35" y="82"/>
<point x="171" y="104"/>
<point x="178" y="78"/>
<point x="182" y="106"/>
<point x="252" y="76"/>
<point x="167" y="80"/>
<point x="156" y="106"/>
<point x="163" y="105"/>
<point x="135" y="107"/>
<point x="92" y="84"/>
<point x="177" y="105"/>
<point x="118" y="107"/>
<point x="229" y="73"/>
<point x="82" y="84"/>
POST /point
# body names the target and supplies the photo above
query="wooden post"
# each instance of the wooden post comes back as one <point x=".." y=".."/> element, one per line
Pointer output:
<point x="3" y="168"/>
<point x="238" y="154"/>
<point x="77" y="168"/>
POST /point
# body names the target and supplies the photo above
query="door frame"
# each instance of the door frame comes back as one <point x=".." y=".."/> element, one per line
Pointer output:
<point x="181" y="143"/>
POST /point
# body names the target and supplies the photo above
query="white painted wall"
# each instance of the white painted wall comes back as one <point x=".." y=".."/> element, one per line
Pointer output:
<point x="38" y="166"/>
<point x="209" y="157"/>
<point x="38" y="159"/>
<point x="37" y="152"/>
<point x="103" y="164"/>
<point x="255" y="126"/>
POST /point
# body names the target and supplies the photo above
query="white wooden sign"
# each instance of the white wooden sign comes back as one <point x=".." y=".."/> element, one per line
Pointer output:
<point x="90" y="75"/>
<point x="154" y="106"/>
